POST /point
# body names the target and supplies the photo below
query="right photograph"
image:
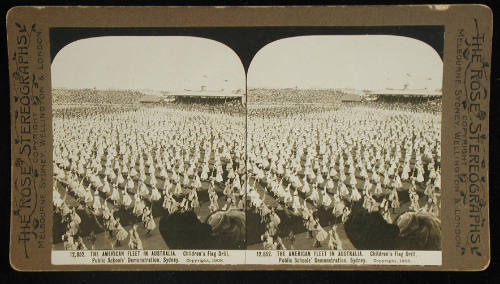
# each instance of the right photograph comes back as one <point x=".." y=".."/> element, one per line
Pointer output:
<point x="344" y="144"/>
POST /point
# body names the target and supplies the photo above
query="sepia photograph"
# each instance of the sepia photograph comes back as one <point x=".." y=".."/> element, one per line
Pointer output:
<point x="344" y="144"/>
<point x="343" y="133"/>
<point x="148" y="144"/>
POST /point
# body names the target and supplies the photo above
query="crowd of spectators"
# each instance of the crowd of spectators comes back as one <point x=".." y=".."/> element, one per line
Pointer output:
<point x="94" y="96"/>
<point x="299" y="99"/>
<point x="293" y="95"/>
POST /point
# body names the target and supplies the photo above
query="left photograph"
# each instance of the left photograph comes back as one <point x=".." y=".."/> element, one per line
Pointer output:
<point x="148" y="144"/>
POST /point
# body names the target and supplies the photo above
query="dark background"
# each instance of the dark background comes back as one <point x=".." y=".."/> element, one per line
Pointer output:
<point x="8" y="275"/>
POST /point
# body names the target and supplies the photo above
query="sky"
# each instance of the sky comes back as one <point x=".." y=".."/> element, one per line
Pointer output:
<point x="161" y="63"/>
<point x="364" y="62"/>
<point x="175" y="63"/>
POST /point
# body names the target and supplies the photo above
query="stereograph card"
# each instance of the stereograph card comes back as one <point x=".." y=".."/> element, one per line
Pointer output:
<point x="250" y="138"/>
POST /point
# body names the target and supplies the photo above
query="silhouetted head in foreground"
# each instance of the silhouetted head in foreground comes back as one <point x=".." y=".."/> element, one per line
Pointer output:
<point x="228" y="229"/>
<point x="410" y="231"/>
<point x="419" y="231"/>
<point x="221" y="230"/>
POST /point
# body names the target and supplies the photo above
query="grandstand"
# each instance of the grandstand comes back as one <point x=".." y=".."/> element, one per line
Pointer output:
<point x="405" y="95"/>
<point x="150" y="100"/>
<point x="351" y="98"/>
<point x="209" y="96"/>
